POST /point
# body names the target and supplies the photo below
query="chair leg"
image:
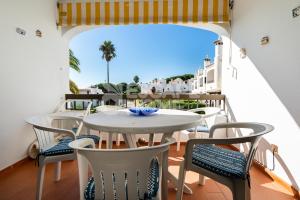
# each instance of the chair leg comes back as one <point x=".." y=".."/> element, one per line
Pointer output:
<point x="178" y="140"/>
<point x="201" y="180"/>
<point x="164" y="181"/>
<point x="58" y="171"/>
<point x="100" y="140"/>
<point x="241" y="190"/>
<point x="83" y="174"/>
<point x="40" y="181"/>
<point x="180" y="183"/>
<point x="151" y="140"/>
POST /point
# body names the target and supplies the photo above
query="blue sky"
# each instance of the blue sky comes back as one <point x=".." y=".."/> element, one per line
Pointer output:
<point x="149" y="51"/>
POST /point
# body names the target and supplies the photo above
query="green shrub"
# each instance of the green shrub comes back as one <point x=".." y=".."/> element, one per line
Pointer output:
<point x="176" y="104"/>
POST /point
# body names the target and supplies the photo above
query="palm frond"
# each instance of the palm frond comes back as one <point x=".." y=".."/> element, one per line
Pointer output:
<point x="73" y="61"/>
<point x="73" y="87"/>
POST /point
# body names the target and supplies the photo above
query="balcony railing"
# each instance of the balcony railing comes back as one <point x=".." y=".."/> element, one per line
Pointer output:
<point x="169" y="101"/>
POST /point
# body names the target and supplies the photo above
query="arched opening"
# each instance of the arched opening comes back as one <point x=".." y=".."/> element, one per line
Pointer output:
<point x="209" y="78"/>
<point x="173" y="36"/>
<point x="251" y="68"/>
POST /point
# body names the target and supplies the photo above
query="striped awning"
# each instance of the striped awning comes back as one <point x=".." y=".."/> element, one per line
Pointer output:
<point x="106" y="12"/>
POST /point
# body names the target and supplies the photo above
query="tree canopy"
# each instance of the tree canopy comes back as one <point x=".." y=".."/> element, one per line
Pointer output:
<point x="108" y="51"/>
<point x="120" y="88"/>
<point x="136" y="79"/>
<point x="183" y="77"/>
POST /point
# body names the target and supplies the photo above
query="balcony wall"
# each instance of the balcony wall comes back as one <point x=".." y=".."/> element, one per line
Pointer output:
<point x="34" y="71"/>
<point x="257" y="86"/>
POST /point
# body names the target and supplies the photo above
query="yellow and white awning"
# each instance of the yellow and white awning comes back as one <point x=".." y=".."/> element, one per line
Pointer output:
<point x="106" y="12"/>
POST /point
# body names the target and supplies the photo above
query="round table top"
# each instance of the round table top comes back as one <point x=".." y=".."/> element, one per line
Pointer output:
<point x="123" y="121"/>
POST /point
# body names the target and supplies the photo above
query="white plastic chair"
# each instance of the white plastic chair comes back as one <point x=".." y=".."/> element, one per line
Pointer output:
<point x="105" y="108"/>
<point x="228" y="167"/>
<point x="62" y="107"/>
<point x="78" y="125"/>
<point x="209" y="118"/>
<point x="51" y="150"/>
<point x="122" y="173"/>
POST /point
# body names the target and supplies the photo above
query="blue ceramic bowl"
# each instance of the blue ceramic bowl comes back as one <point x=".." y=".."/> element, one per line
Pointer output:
<point x="143" y="111"/>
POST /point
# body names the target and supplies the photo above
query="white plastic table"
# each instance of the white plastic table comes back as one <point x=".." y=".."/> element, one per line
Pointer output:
<point x="165" y="121"/>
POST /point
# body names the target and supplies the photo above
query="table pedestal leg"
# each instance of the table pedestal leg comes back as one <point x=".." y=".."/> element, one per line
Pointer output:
<point x="130" y="140"/>
<point x="151" y="139"/>
<point x="109" y="141"/>
<point x="166" y="135"/>
<point x="118" y="139"/>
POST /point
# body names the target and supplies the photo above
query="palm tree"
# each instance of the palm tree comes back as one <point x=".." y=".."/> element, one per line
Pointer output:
<point x="108" y="53"/>
<point x="74" y="64"/>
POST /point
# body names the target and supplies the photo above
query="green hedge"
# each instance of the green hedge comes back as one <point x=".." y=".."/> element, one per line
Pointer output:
<point x="176" y="104"/>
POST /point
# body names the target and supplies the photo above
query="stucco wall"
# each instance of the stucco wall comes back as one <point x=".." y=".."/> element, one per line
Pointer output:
<point x="34" y="71"/>
<point x="264" y="87"/>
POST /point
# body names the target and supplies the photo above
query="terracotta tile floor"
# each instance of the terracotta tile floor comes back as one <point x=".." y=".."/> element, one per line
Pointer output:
<point x="19" y="183"/>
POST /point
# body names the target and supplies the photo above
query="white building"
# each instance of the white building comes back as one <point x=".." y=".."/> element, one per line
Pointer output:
<point x="90" y="90"/>
<point x="161" y="86"/>
<point x="158" y="84"/>
<point x="209" y="78"/>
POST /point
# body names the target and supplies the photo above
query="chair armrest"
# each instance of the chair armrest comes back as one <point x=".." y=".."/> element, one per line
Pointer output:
<point x="82" y="143"/>
<point x="206" y="115"/>
<point x="261" y="129"/>
<point x="57" y="131"/>
<point x="88" y="109"/>
<point x="237" y="140"/>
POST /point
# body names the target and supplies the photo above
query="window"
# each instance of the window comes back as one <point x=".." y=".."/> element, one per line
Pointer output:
<point x="201" y="82"/>
<point x="210" y="76"/>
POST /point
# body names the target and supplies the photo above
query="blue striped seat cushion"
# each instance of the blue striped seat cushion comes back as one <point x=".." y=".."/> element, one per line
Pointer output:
<point x="221" y="161"/>
<point x="199" y="129"/>
<point x="60" y="148"/>
<point x="152" y="184"/>
<point x="96" y="138"/>
<point x="153" y="180"/>
<point x="74" y="129"/>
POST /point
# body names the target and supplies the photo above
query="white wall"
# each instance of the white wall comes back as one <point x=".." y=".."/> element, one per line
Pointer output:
<point x="34" y="71"/>
<point x="264" y="87"/>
